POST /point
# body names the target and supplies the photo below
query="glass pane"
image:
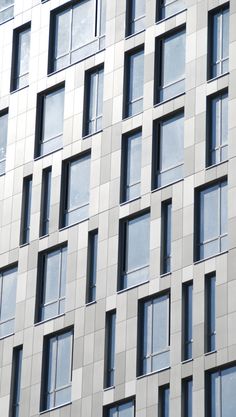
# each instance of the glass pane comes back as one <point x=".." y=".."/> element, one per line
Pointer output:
<point x="79" y="181"/>
<point x="5" y="3"/>
<point x="23" y="52"/>
<point x="100" y="92"/>
<point x="224" y="208"/>
<point x="64" y="360"/>
<point x="225" y="34"/>
<point x="51" y="276"/>
<point x="126" y="410"/>
<point x="147" y="330"/>
<point x="172" y="142"/>
<point x="173" y="51"/>
<point x="102" y="17"/>
<point x="171" y="7"/>
<point x="165" y="400"/>
<point x="215" y="394"/>
<point x="83" y="30"/>
<point x="228" y="387"/>
<point x="160" y="324"/>
<point x="53" y="114"/>
<point x="138" y="9"/>
<point x="133" y="171"/>
<point x="3" y="135"/>
<point x="62" y="33"/>
<point x="137" y="244"/>
<point x="63" y="272"/>
<point x="136" y="74"/>
<point x="224" y="99"/>
<point x="63" y="396"/>
<point x="52" y="368"/>
<point x="209" y="216"/>
<point x="216" y="53"/>
<point x="8" y="300"/>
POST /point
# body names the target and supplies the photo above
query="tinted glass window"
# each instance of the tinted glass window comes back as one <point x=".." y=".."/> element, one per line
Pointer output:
<point x="16" y="382"/>
<point x="187" y="320"/>
<point x="219" y="45"/>
<point x="6" y="10"/>
<point x="210" y="309"/>
<point x="22" y="54"/>
<point x="164" y="401"/>
<point x="94" y="102"/>
<point x="26" y="210"/>
<point x="135" y="16"/>
<point x="3" y="140"/>
<point x="110" y="349"/>
<point x="166" y="237"/>
<point x="134" y="83"/>
<point x="8" y="283"/>
<point x="121" y="410"/>
<point x="222" y="393"/>
<point x="218" y="132"/>
<point x="45" y="201"/>
<point x="92" y="266"/>
<point x="187" y="398"/>
<point x="168" y="8"/>
<point x="132" y="147"/>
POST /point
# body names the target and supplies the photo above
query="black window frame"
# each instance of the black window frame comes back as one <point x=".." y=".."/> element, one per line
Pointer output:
<point x="161" y="399"/>
<point x="26" y="206"/>
<point x="106" y="408"/>
<point x="45" y="201"/>
<point x="15" y="56"/>
<point x="159" y="11"/>
<point x="207" y="311"/>
<point x="126" y="83"/>
<point x="185" y="321"/>
<point x="185" y="398"/>
<point x="129" y="21"/>
<point x="16" y="375"/>
<point x="110" y="338"/>
<point x="90" y="266"/>
<point x="87" y="90"/>
<point x="164" y="234"/>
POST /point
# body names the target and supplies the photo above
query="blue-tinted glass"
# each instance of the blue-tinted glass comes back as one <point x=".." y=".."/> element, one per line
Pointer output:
<point x="220" y="43"/>
<point x="122" y="410"/>
<point x="188" y="398"/>
<point x="219" y="129"/>
<point x="26" y="210"/>
<point x="166" y="237"/>
<point x="211" y="313"/>
<point x="135" y="83"/>
<point x="45" y="201"/>
<point x="136" y="16"/>
<point x="188" y="320"/>
<point x="165" y="401"/>
<point x="95" y="102"/>
<point x="92" y="266"/>
<point x="222" y="393"/>
<point x="132" y="166"/>
<point x="110" y="356"/>
<point x="171" y="7"/>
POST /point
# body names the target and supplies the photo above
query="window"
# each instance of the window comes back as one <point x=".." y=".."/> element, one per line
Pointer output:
<point x="134" y="78"/>
<point x="168" y="150"/>
<point x="170" y="78"/>
<point x="135" y="16"/>
<point x="20" y="57"/>
<point x="220" y="396"/>
<point x="16" y="382"/>
<point x="109" y="378"/>
<point x="166" y="217"/>
<point x="52" y="283"/>
<point x="154" y="352"/>
<point x="6" y="10"/>
<point x="131" y="166"/>
<point x="3" y="139"/>
<point x="26" y="210"/>
<point x="124" y="409"/>
<point x="50" y="120"/>
<point x="187" y="320"/>
<point x="7" y="300"/>
<point x="92" y="266"/>
<point x="77" y="31"/>
<point x="57" y="370"/>
<point x="218" y="128"/>
<point x="93" y="101"/>
<point x="187" y="397"/>
<point x="211" y="220"/>
<point x="134" y="250"/>
<point x="219" y="42"/>
<point x="75" y="190"/>
<point x="45" y="201"/>
<point x="169" y="8"/>
<point x="210" y="312"/>
<point x="164" y="401"/>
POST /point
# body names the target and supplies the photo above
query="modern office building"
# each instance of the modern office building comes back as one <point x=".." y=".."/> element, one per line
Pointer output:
<point x="118" y="208"/>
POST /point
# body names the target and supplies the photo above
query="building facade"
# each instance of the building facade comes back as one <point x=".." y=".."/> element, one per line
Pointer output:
<point x="118" y="213"/>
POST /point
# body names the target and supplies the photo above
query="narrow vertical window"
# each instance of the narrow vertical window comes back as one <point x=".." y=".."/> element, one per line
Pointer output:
<point x="167" y="8"/>
<point x="16" y="382"/>
<point x="6" y="10"/>
<point x="210" y="312"/>
<point x="92" y="266"/>
<point x="134" y="79"/>
<point x="93" y="101"/>
<point x="187" y="320"/>
<point x="110" y="349"/>
<point x="135" y="16"/>
<point x="3" y="139"/>
<point x="45" y="201"/>
<point x="26" y="210"/>
<point x="166" y="215"/>
<point x="219" y="42"/>
<point x="187" y="397"/>
<point x="164" y="401"/>
<point x="218" y="128"/>
<point x="220" y="399"/>
<point x="8" y="283"/>
<point x="20" y="58"/>
<point x="131" y="166"/>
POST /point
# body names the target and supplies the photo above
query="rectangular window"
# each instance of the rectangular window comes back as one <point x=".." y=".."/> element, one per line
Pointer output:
<point x="135" y="21"/>
<point x="211" y="220"/>
<point x="164" y="401"/>
<point x="219" y="42"/>
<point x="187" y="320"/>
<point x="50" y="121"/>
<point x="52" y="283"/>
<point x="26" y="210"/>
<point x="76" y="32"/>
<point x="134" y="250"/>
<point x="75" y="190"/>
<point x="6" y="10"/>
<point x="210" y="313"/>
<point x="8" y="283"/>
<point x="220" y="399"/>
<point x="168" y="150"/>
<point x="124" y="409"/>
<point x="170" y="78"/>
<point x="187" y="397"/>
<point x="169" y="8"/>
<point x="134" y="79"/>
<point x="57" y="370"/>
<point x="217" y="128"/>
<point x="154" y="334"/>
<point x="93" y="102"/>
<point x="92" y="266"/>
<point x="166" y="221"/>
<point x="45" y="201"/>
<point x="20" y="57"/>
<point x="3" y="139"/>
<point x="109" y="378"/>
<point x="131" y="166"/>
<point x="16" y="382"/>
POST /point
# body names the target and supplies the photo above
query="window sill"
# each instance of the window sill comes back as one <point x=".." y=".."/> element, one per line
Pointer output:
<point x="166" y="274"/>
<point x="73" y="224"/>
<point x="167" y="185"/>
<point x="133" y="286"/>
<point x="7" y="335"/>
<point x="216" y="165"/>
<point x="164" y="19"/>
<point x="22" y="245"/>
<point x="167" y="100"/>
<point x="130" y="117"/>
<point x="7" y="20"/>
<point x="108" y="388"/>
<point x="91" y="303"/>
<point x="217" y="78"/>
<point x="187" y="361"/>
<point x="130" y="201"/>
<point x="210" y="353"/>
<point x="19" y="89"/>
<point x="46" y="154"/>
<point x="49" y="410"/>
<point x="49" y="319"/>
<point x="43" y="236"/>
<point x="134" y="34"/>
<point x="210" y="257"/>
<point x="84" y="137"/>
<point x="153" y="372"/>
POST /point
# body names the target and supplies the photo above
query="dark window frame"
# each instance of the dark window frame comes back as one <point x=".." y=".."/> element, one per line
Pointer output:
<point x="109" y="372"/>
<point x="207" y="311"/>
<point x="129" y="21"/>
<point x="126" y="82"/>
<point x="185" y="321"/>
<point x="15" y="56"/>
<point x="26" y="205"/>
<point x="185" y="398"/>
<point x="165" y="269"/>
<point x="16" y="373"/>
<point x="45" y="201"/>
<point x="161" y="399"/>
<point x="90" y="266"/>
<point x="87" y="90"/>
<point x="4" y="112"/>
<point x="159" y="11"/>
<point x="106" y="408"/>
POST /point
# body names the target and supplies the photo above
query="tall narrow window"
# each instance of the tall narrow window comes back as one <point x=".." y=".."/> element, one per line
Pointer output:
<point x="134" y="78"/>
<point x="220" y="398"/>
<point x="219" y="42"/>
<point x="218" y="128"/>
<point x="50" y="121"/>
<point x="8" y="283"/>
<point x="187" y="397"/>
<point x="134" y="250"/>
<point x="93" y="101"/>
<point x="154" y="350"/>
<point x="187" y="320"/>
<point x="135" y="16"/>
<point x="167" y="8"/>
<point x="57" y="370"/>
<point x="210" y="312"/>
<point x="170" y="78"/>
<point x="164" y="401"/>
<point x="16" y="382"/>
<point x="131" y="166"/>
<point x="166" y="215"/>
<point x="3" y="139"/>
<point x="20" y="58"/>
<point x="92" y="266"/>
<point x="123" y="409"/>
<point x="109" y="378"/>
<point x="26" y="210"/>
<point x="45" y="201"/>
<point x="75" y="190"/>
<point x="6" y="10"/>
